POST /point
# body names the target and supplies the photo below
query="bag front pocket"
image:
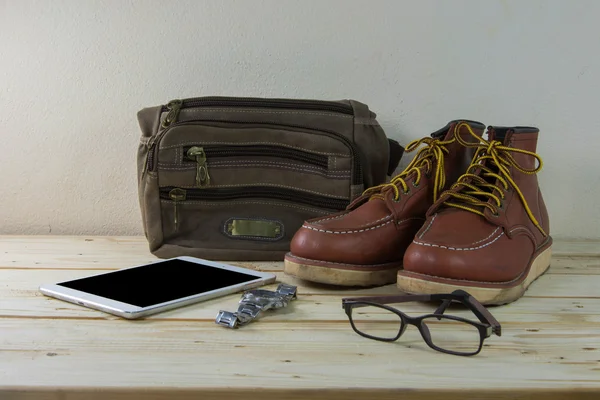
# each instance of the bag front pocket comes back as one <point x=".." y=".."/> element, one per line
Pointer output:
<point x="178" y="195"/>
<point x="283" y="138"/>
<point x="239" y="219"/>
<point x="219" y="164"/>
<point x="257" y="156"/>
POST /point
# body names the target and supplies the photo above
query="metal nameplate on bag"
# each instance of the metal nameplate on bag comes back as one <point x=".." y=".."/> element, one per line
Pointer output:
<point x="247" y="228"/>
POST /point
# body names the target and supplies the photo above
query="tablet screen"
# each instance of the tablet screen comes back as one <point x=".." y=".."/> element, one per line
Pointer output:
<point x="158" y="282"/>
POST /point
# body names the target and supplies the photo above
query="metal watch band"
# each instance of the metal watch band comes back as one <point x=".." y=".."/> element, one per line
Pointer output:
<point x="254" y="302"/>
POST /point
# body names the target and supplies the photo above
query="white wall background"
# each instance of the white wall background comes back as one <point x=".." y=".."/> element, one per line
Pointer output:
<point x="73" y="74"/>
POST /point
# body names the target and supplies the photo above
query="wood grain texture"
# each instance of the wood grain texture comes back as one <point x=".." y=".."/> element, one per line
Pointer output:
<point x="49" y="349"/>
<point x="173" y="393"/>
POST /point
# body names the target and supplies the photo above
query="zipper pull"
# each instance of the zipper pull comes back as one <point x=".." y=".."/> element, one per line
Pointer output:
<point x="177" y="195"/>
<point x="173" y="106"/>
<point x="149" y="149"/>
<point x="198" y="154"/>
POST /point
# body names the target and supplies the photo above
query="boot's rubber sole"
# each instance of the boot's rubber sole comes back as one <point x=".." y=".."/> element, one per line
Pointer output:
<point x="485" y="293"/>
<point x="341" y="274"/>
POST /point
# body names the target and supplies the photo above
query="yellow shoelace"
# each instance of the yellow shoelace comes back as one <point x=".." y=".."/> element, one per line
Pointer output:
<point x="499" y="156"/>
<point x="434" y="150"/>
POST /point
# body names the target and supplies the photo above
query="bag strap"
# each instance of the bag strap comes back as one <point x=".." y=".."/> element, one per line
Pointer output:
<point x="396" y="152"/>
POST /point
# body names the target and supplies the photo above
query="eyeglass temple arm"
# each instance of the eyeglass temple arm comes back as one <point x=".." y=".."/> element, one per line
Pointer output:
<point x="390" y="299"/>
<point x="440" y="310"/>
<point x="480" y="311"/>
<point x="447" y="299"/>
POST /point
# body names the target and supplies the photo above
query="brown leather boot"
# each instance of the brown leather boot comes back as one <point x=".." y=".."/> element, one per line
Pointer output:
<point x="489" y="234"/>
<point x="364" y="245"/>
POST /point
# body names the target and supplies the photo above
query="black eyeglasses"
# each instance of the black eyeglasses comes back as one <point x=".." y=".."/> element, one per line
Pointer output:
<point x="371" y="318"/>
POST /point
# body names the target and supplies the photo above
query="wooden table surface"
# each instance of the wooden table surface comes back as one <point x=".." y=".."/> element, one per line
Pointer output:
<point x="50" y="349"/>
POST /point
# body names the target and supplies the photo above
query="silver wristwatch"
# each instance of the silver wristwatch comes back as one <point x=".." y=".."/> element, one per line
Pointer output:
<point x="255" y="301"/>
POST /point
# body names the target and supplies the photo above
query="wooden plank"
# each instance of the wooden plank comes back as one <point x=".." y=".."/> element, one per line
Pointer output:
<point x="580" y="297"/>
<point x="174" y="393"/>
<point x="72" y="245"/>
<point x="73" y="252"/>
<point x="316" y="355"/>
<point x="560" y="264"/>
<point x="25" y="283"/>
<point x="574" y="264"/>
<point x="66" y="252"/>
<point x="581" y="248"/>
<point x="532" y="314"/>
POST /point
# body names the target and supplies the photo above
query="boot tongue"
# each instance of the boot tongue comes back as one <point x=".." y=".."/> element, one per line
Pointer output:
<point x="376" y="209"/>
<point x="447" y="132"/>
<point x="499" y="134"/>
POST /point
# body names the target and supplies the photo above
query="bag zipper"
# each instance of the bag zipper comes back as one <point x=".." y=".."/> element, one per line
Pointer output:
<point x="357" y="172"/>
<point x="176" y="195"/>
<point x="174" y="106"/>
<point x="201" y="154"/>
<point x="257" y="150"/>
<point x="198" y="154"/>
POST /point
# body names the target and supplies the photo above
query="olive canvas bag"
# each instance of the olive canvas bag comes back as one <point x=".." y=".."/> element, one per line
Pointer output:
<point x="232" y="178"/>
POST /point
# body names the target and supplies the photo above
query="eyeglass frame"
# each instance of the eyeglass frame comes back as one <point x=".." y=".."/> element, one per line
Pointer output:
<point x="488" y="325"/>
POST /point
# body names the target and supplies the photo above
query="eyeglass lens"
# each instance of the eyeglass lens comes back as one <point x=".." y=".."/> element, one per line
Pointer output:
<point x="453" y="335"/>
<point x="377" y="322"/>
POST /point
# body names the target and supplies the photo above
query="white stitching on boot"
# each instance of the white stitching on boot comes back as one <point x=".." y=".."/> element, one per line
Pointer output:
<point x="459" y="248"/>
<point x="428" y="226"/>
<point x="344" y="232"/>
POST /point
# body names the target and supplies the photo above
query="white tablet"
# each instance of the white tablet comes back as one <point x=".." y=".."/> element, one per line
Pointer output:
<point x="151" y="288"/>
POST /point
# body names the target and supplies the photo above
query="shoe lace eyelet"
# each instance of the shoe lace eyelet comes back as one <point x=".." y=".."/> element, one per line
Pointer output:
<point x="416" y="184"/>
